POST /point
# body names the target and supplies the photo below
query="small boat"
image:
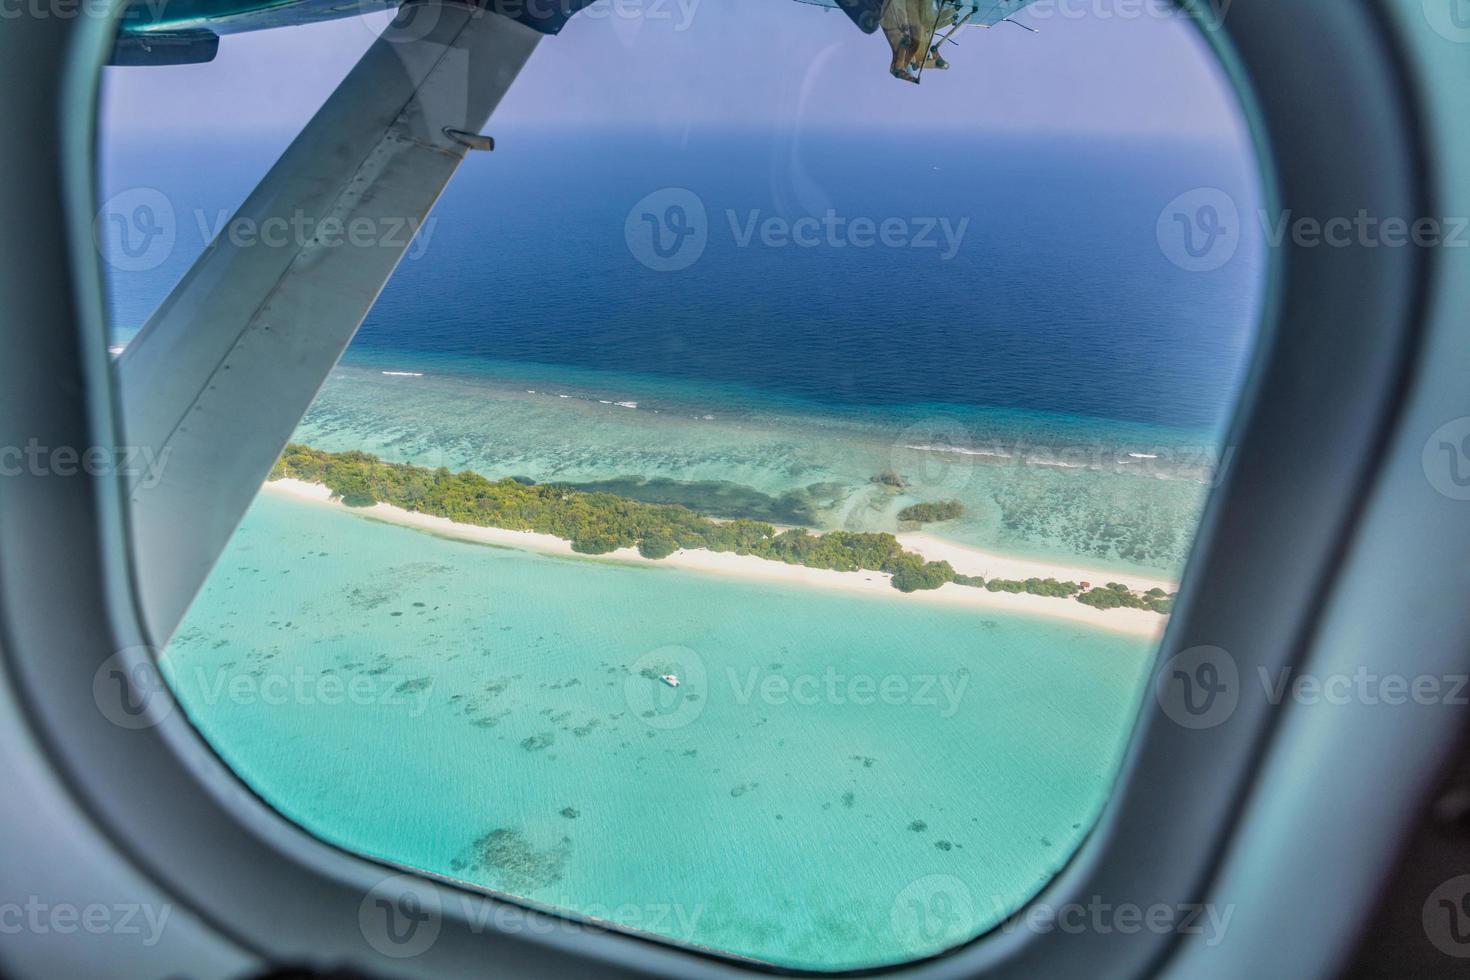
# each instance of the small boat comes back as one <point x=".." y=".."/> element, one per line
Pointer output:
<point x="670" y="679"/>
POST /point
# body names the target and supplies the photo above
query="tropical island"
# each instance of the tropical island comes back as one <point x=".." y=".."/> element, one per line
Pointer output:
<point x="599" y="523"/>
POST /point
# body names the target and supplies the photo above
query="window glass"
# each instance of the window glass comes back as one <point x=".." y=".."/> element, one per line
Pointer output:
<point x="801" y="464"/>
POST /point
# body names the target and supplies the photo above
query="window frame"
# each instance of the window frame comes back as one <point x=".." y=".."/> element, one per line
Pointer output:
<point x="1335" y="358"/>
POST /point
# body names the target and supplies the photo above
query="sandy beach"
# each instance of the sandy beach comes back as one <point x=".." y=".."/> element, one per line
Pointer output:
<point x="973" y="561"/>
<point x="1134" y="622"/>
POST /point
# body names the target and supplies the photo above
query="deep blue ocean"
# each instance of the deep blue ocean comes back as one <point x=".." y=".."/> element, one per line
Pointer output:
<point x="1056" y="297"/>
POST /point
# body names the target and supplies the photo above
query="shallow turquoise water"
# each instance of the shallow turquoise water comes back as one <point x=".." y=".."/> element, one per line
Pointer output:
<point x="827" y="767"/>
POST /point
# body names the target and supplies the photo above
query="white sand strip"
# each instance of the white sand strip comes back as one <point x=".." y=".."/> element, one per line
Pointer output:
<point x="1134" y="622"/>
<point x="973" y="561"/>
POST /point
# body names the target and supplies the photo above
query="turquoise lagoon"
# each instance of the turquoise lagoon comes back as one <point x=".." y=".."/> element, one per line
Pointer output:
<point x="828" y="766"/>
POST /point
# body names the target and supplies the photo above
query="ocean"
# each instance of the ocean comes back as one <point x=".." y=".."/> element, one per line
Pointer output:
<point x="1043" y="362"/>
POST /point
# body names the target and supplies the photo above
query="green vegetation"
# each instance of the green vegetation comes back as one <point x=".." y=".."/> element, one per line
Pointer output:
<point x="888" y="478"/>
<point x="657" y="546"/>
<point x="1116" y="595"/>
<point x="912" y="573"/>
<point x="596" y="523"/>
<point x="946" y="510"/>
<point x="1032" y="586"/>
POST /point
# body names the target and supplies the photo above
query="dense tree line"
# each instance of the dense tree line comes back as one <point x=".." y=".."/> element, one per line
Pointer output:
<point x="596" y="523"/>
<point x="1114" y="595"/>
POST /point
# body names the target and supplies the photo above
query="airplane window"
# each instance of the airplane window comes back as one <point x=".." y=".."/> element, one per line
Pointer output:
<point x="749" y="513"/>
